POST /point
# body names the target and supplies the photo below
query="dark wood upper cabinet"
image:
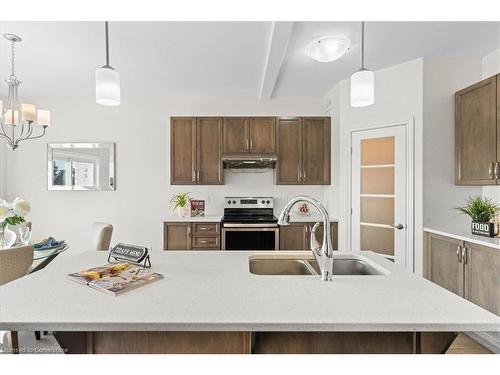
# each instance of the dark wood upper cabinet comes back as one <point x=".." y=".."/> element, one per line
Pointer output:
<point x="196" y="151"/>
<point x="476" y="134"/>
<point x="316" y="151"/>
<point x="262" y="135"/>
<point x="183" y="150"/>
<point x="303" y="151"/>
<point x="236" y="134"/>
<point x="208" y="151"/>
<point x="289" y="150"/>
<point x="243" y="135"/>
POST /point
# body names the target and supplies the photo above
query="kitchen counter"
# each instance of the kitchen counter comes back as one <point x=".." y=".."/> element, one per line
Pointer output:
<point x="194" y="219"/>
<point x="214" y="291"/>
<point x="464" y="234"/>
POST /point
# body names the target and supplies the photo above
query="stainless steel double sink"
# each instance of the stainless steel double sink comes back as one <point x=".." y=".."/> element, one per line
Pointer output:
<point x="304" y="267"/>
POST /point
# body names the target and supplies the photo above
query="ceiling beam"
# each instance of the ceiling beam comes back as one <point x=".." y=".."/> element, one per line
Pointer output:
<point x="280" y="37"/>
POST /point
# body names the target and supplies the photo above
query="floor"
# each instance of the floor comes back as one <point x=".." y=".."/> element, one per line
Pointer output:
<point x="465" y="345"/>
<point x="48" y="345"/>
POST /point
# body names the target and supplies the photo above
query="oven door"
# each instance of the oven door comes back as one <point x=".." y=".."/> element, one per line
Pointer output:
<point x="246" y="237"/>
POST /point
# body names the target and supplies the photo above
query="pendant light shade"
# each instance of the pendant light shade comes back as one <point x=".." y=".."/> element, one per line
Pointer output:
<point x="107" y="80"/>
<point x="362" y="88"/>
<point x="363" y="81"/>
<point x="107" y="86"/>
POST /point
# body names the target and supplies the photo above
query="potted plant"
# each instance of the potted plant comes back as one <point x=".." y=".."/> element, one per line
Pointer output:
<point x="482" y="212"/>
<point x="181" y="203"/>
<point x="11" y="214"/>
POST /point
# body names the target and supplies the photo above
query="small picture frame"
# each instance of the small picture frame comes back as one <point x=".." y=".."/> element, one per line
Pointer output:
<point x="197" y="207"/>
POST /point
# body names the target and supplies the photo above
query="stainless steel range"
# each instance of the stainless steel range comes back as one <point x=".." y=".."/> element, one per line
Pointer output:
<point x="249" y="224"/>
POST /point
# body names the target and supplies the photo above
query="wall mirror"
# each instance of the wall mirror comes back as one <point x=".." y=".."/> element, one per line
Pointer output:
<point x="81" y="166"/>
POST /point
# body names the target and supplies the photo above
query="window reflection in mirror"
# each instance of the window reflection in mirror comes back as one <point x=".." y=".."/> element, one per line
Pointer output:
<point x="80" y="166"/>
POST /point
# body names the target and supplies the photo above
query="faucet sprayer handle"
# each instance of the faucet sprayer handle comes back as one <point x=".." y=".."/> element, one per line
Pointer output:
<point x="315" y="245"/>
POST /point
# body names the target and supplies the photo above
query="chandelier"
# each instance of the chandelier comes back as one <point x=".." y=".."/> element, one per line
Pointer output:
<point x="19" y="120"/>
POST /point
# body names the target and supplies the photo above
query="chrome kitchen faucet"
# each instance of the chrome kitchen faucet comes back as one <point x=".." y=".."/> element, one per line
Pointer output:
<point x="323" y="253"/>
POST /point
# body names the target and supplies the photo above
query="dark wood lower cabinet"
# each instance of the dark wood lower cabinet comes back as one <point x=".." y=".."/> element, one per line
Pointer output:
<point x="254" y="342"/>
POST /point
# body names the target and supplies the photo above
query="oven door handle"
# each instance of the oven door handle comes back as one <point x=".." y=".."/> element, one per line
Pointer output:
<point x="240" y="225"/>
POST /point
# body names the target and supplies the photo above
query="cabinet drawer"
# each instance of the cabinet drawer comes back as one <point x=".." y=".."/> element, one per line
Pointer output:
<point x="207" y="242"/>
<point x="205" y="228"/>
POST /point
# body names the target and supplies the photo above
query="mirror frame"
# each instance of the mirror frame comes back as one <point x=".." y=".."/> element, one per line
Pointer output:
<point x="110" y="146"/>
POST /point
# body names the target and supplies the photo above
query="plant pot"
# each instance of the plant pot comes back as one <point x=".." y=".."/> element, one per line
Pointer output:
<point x="483" y="229"/>
<point x="183" y="211"/>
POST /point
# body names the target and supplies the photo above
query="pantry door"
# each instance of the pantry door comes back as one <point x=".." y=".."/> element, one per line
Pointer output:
<point x="379" y="192"/>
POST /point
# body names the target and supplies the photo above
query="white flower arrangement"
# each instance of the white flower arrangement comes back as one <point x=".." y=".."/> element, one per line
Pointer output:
<point x="13" y="213"/>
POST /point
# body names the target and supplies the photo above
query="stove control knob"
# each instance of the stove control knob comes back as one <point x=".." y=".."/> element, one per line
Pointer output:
<point x="263" y="202"/>
<point x="228" y="202"/>
<point x="234" y="202"/>
<point x="268" y="202"/>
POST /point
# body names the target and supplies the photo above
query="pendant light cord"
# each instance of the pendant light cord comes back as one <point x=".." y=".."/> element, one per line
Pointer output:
<point x="362" y="44"/>
<point x="107" y="43"/>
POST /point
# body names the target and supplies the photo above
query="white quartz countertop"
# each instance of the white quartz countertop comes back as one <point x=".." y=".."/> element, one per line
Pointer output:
<point x="218" y="218"/>
<point x="214" y="290"/>
<point x="464" y="234"/>
<point x="196" y="219"/>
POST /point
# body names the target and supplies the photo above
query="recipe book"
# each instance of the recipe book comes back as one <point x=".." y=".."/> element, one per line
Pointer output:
<point x="115" y="278"/>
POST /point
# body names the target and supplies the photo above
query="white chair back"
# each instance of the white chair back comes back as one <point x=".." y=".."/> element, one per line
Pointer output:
<point x="102" y="236"/>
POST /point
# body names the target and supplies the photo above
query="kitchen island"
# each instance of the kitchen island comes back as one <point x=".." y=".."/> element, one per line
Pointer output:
<point x="209" y="302"/>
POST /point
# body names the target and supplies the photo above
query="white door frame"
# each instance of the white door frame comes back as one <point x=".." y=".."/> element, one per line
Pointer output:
<point x="410" y="186"/>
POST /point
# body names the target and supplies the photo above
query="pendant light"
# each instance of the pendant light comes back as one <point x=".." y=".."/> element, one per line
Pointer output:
<point x="107" y="80"/>
<point x="363" y="81"/>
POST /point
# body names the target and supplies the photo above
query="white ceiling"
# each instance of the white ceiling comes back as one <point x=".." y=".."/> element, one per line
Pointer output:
<point x="223" y="58"/>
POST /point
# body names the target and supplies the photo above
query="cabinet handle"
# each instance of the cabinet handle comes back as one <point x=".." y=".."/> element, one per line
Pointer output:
<point x="299" y="174"/>
<point x="490" y="170"/>
<point x="251" y="144"/>
<point x="197" y="176"/>
<point x="304" y="176"/>
<point x="495" y="170"/>
<point x="203" y="241"/>
<point x="248" y="144"/>
<point x="464" y="254"/>
<point x="193" y="177"/>
<point x="459" y="253"/>
<point x="203" y="228"/>
<point x="307" y="228"/>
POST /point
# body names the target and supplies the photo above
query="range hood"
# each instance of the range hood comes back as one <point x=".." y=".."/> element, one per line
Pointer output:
<point x="247" y="161"/>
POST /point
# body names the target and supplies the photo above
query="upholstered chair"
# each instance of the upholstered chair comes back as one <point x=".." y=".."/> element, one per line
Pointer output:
<point x="15" y="263"/>
<point x="102" y="233"/>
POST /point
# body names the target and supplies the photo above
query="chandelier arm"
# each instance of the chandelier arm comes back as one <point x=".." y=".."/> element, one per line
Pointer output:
<point x="28" y="132"/>
<point x="3" y="135"/>
<point x="2" y="130"/>
<point x="30" y="137"/>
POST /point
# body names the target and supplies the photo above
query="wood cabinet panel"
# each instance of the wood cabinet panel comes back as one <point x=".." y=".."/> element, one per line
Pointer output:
<point x="236" y="135"/>
<point x="476" y="133"/>
<point x="316" y="150"/>
<point x="444" y="267"/>
<point x="205" y="228"/>
<point x="262" y="135"/>
<point x="293" y="237"/>
<point x="483" y="277"/>
<point x="208" y="151"/>
<point x="182" y="150"/>
<point x="205" y="243"/>
<point x="176" y="236"/>
<point x="289" y="150"/>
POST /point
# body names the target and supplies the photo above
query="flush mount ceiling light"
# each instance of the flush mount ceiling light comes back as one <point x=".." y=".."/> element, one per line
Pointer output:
<point x="328" y="49"/>
<point x="363" y="81"/>
<point x="107" y="80"/>
<point x="18" y="120"/>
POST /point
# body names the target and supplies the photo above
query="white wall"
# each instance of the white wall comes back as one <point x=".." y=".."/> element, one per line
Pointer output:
<point x="398" y="97"/>
<point x="442" y="78"/>
<point x="491" y="66"/>
<point x="140" y="128"/>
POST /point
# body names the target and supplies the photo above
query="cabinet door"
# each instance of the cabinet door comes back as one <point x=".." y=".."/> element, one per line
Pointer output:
<point x="483" y="277"/>
<point x="236" y="135"/>
<point x="176" y="236"/>
<point x="316" y="150"/>
<point x="476" y="134"/>
<point x="444" y="266"/>
<point x="289" y="142"/>
<point x="208" y="151"/>
<point x="262" y="135"/>
<point x="293" y="237"/>
<point x="182" y="150"/>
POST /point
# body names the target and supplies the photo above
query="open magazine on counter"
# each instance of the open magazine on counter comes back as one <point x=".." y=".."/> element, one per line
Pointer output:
<point x="115" y="278"/>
